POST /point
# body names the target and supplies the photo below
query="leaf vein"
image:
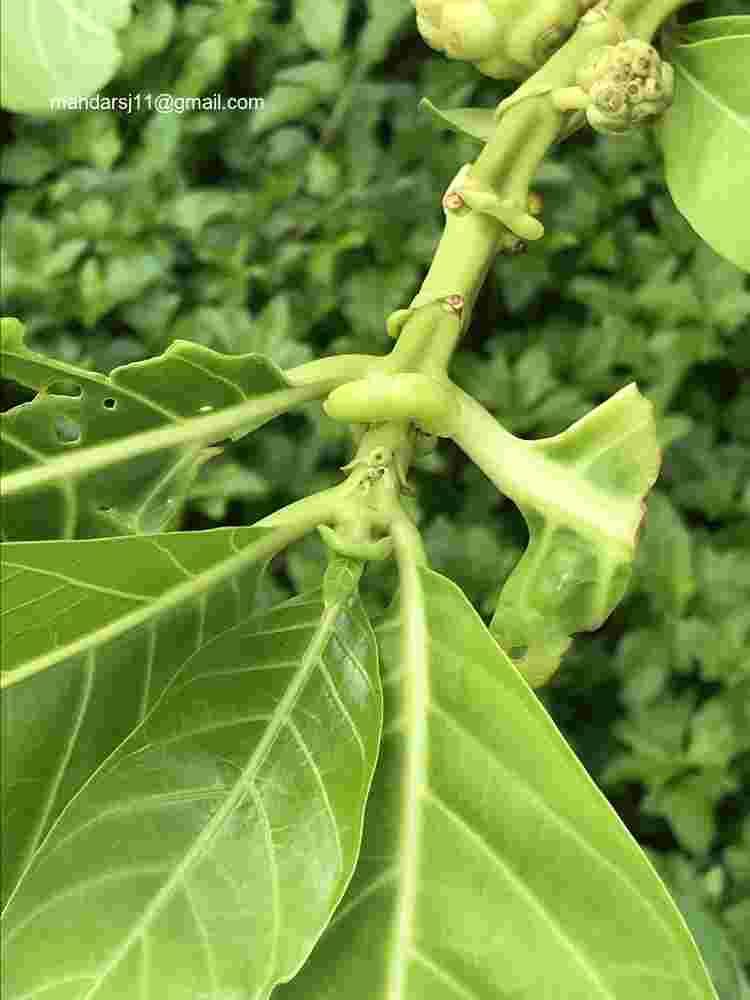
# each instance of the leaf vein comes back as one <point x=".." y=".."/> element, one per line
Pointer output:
<point x="213" y="728"/>
<point x="32" y="600"/>
<point x="244" y="784"/>
<point x="275" y="884"/>
<point x="343" y="709"/>
<point x="383" y="880"/>
<point x="440" y="972"/>
<point x="203" y="935"/>
<point x="475" y="838"/>
<point x="544" y="805"/>
<point x="134" y="805"/>
<point x="96" y="587"/>
<point x="80" y="889"/>
<point x="323" y="790"/>
<point x="79" y="715"/>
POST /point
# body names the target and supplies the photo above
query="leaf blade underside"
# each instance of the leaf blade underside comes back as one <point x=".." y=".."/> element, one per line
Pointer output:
<point x="529" y="886"/>
<point x="90" y="635"/>
<point x="705" y="135"/>
<point x="146" y="493"/>
<point x="220" y="835"/>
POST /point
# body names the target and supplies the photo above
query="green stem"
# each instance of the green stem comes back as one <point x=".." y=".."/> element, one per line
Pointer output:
<point x="507" y="165"/>
<point x="527" y="127"/>
<point x="368" y="502"/>
<point x="509" y="160"/>
<point x="334" y="370"/>
<point x="307" y="514"/>
<point x="523" y="471"/>
<point x="462" y="260"/>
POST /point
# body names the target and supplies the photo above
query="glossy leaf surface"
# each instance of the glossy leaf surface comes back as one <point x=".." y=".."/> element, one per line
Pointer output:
<point x="705" y="135"/>
<point x="145" y="494"/>
<point x="524" y="883"/>
<point x="206" y="854"/>
<point x="42" y="45"/>
<point x="92" y="633"/>
<point x="714" y="27"/>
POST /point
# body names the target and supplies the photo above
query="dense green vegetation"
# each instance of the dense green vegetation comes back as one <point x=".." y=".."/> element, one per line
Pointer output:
<point x="294" y="230"/>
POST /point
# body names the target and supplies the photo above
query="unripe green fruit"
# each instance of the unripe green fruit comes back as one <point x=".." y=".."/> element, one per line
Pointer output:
<point x="505" y="39"/>
<point x="627" y="84"/>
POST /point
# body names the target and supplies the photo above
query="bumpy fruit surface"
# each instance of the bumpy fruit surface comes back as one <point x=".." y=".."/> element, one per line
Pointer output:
<point x="502" y="38"/>
<point x="628" y="85"/>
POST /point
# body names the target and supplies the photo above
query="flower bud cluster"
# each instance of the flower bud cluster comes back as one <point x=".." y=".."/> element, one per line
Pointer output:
<point x="628" y="84"/>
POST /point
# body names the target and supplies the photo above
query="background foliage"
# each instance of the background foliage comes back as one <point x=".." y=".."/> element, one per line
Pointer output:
<point x="294" y="231"/>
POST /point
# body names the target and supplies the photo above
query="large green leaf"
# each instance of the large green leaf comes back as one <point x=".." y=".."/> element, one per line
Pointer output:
<point x="205" y="855"/>
<point x="512" y="877"/>
<point x="145" y="493"/>
<point x="713" y="27"/>
<point x="58" y="49"/>
<point x="92" y="632"/>
<point x="705" y="135"/>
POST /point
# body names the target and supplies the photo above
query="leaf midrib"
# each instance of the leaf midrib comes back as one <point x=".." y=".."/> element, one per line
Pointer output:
<point x="186" y="430"/>
<point x="193" y="588"/>
<point x="426" y="794"/>
<point x="415" y="698"/>
<point x="713" y="99"/>
<point x="242" y="787"/>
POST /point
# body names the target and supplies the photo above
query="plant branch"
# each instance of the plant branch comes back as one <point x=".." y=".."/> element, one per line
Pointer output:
<point x="524" y="471"/>
<point x="336" y="370"/>
<point x="525" y="132"/>
<point x="319" y="508"/>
